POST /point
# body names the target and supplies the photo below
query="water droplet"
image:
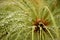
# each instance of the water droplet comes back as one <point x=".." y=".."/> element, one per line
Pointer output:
<point x="6" y="22"/>
<point x="2" y="24"/>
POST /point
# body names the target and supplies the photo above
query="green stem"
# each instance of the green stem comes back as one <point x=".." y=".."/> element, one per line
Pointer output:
<point x="27" y="35"/>
<point x="43" y="36"/>
<point x="50" y="34"/>
<point x="20" y="32"/>
<point x="53" y="21"/>
<point x="32" y="33"/>
<point x="40" y="33"/>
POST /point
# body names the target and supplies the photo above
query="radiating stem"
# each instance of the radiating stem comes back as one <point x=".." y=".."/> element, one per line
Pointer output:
<point x="53" y="21"/>
<point x="20" y="32"/>
<point x="27" y="35"/>
<point x="50" y="34"/>
<point x="38" y="36"/>
<point x="32" y="33"/>
<point x="43" y="36"/>
<point x="40" y="33"/>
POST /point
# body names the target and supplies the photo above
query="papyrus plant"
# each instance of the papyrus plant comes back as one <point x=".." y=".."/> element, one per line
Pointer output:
<point x="29" y="19"/>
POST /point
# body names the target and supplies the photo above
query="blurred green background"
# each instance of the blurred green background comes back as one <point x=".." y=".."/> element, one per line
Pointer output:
<point x="16" y="17"/>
